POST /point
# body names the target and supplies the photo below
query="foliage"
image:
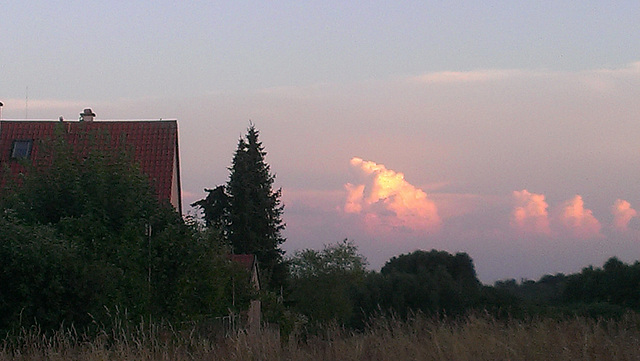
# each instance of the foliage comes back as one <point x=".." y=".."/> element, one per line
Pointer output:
<point x="434" y="281"/>
<point x="546" y="291"/>
<point x="248" y="210"/>
<point x="342" y="257"/>
<point x="38" y="271"/>
<point x="84" y="233"/>
<point x="501" y="304"/>
<point x="607" y="292"/>
<point x="323" y="282"/>
<point x="215" y="208"/>
<point x="615" y="283"/>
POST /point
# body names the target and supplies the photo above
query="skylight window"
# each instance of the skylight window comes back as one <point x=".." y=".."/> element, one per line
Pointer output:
<point x="21" y="149"/>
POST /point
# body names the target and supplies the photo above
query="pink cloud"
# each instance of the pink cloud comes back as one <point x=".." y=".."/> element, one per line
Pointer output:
<point x="579" y="221"/>
<point x="622" y="213"/>
<point x="355" y="198"/>
<point x="386" y="200"/>
<point x="530" y="214"/>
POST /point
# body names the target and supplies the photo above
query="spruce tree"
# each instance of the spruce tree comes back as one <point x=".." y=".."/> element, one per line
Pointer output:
<point x="252" y="221"/>
<point x="215" y="208"/>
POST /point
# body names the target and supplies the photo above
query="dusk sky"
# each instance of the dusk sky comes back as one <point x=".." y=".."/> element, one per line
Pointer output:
<point x="509" y="130"/>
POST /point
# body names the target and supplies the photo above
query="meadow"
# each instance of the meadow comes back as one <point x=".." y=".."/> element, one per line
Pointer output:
<point x="476" y="337"/>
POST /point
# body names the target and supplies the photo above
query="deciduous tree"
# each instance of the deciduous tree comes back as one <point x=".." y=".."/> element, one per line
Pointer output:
<point x="323" y="282"/>
<point x="432" y="281"/>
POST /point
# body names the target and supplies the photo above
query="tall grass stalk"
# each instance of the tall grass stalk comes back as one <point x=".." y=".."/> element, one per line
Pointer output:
<point x="476" y="337"/>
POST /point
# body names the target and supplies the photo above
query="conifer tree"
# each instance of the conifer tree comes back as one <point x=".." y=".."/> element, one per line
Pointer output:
<point x="252" y="221"/>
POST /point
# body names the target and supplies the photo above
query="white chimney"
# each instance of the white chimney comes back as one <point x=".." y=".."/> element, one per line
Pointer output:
<point x="87" y="115"/>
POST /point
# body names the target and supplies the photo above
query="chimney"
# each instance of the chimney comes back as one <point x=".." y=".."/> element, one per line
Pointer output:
<point x="87" y="115"/>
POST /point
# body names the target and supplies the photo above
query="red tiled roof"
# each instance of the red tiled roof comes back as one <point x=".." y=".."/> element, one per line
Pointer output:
<point x="154" y="145"/>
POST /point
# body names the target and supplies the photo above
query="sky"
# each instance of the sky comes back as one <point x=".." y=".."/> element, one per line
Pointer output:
<point x="505" y="129"/>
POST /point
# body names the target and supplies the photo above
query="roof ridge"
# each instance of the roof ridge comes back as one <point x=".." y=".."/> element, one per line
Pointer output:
<point x="94" y="121"/>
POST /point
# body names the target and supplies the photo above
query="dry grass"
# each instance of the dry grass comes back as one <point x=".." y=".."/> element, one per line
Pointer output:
<point x="474" y="338"/>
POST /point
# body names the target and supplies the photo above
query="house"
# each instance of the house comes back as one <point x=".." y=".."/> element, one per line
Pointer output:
<point x="154" y="146"/>
<point x="250" y="263"/>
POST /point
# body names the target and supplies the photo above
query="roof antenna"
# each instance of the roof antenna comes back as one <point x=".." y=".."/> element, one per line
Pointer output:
<point x="26" y="103"/>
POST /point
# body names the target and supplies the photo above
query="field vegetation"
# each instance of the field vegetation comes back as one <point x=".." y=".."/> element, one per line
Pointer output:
<point x="476" y="337"/>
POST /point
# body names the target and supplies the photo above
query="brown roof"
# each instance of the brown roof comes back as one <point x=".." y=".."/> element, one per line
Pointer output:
<point x="154" y="145"/>
<point x="245" y="260"/>
<point x="250" y="263"/>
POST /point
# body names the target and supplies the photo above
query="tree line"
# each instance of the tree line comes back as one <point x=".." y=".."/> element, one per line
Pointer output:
<point x="439" y="283"/>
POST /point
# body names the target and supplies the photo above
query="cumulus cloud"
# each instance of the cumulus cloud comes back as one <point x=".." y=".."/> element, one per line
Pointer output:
<point x="530" y="214"/>
<point x="386" y="200"/>
<point x="578" y="220"/>
<point x="622" y="213"/>
<point x="355" y="196"/>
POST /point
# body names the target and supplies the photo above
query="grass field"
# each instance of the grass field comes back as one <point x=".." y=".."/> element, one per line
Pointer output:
<point x="421" y="338"/>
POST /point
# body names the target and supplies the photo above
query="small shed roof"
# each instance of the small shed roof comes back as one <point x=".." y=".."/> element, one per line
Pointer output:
<point x="245" y="260"/>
